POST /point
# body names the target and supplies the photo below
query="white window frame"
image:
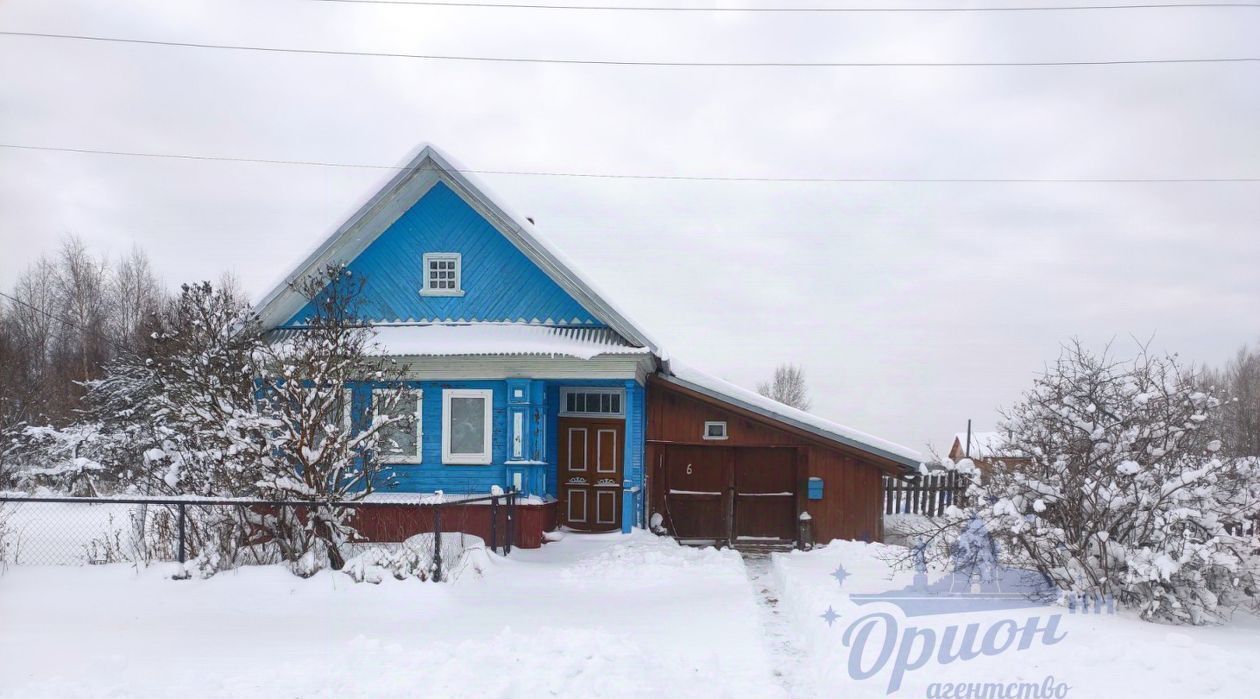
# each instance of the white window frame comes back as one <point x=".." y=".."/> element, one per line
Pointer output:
<point x="428" y="289"/>
<point x="483" y="458"/>
<point x="418" y="457"/>
<point x="710" y="423"/>
<point x="564" y="402"/>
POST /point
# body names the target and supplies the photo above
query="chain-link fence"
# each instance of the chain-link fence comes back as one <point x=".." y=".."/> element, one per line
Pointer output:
<point x="432" y="538"/>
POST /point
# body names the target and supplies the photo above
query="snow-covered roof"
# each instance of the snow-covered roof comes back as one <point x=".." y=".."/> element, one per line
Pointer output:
<point x="421" y="172"/>
<point x="714" y="387"/>
<point x="498" y="339"/>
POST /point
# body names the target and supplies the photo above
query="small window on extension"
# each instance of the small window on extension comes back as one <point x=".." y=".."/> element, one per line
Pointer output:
<point x="715" y="430"/>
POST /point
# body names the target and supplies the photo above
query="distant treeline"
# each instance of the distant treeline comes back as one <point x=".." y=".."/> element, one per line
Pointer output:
<point x="69" y="314"/>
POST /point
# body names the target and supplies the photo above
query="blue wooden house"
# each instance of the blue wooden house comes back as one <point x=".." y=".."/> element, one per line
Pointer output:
<point x="522" y="374"/>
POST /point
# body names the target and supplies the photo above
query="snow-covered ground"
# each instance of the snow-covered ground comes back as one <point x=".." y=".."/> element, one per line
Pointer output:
<point x="599" y="616"/>
<point x="1099" y="656"/>
<point x="603" y="615"/>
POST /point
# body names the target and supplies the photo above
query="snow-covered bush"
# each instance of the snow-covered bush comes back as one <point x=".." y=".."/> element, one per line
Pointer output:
<point x="325" y="450"/>
<point x="67" y="460"/>
<point x="1120" y="489"/>
<point x="216" y="407"/>
<point x="400" y="562"/>
<point x="414" y="558"/>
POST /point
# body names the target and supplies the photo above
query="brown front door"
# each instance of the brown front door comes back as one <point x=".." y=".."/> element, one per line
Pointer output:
<point x="590" y="471"/>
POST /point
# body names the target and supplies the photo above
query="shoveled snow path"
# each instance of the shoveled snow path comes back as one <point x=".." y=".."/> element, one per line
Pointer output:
<point x="784" y="645"/>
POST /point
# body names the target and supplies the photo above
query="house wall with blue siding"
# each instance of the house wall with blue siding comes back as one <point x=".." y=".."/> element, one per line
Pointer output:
<point x="431" y="474"/>
<point x="500" y="283"/>
<point x="636" y="435"/>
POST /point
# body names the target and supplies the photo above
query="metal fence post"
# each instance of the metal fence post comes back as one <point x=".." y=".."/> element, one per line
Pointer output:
<point x="437" y="543"/>
<point x="511" y="515"/>
<point x="182" y="517"/>
<point x="494" y="524"/>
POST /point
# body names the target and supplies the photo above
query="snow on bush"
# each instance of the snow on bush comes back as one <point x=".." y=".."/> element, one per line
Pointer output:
<point x="414" y="558"/>
<point x="1120" y="489"/>
<point x="67" y="460"/>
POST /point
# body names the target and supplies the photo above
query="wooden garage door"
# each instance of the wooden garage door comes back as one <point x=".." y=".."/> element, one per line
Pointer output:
<point x="722" y="493"/>
<point x="698" y="488"/>
<point x="765" y="494"/>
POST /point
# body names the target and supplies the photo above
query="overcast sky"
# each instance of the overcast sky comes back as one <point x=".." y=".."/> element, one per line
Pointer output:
<point x="912" y="307"/>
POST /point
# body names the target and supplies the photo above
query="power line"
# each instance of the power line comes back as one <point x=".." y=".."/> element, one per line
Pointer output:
<point x="628" y="176"/>
<point x="627" y="63"/>
<point x="871" y="10"/>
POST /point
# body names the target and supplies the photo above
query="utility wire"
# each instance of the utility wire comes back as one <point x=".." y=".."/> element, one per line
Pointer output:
<point x="663" y="8"/>
<point x="623" y="63"/>
<point x="627" y="176"/>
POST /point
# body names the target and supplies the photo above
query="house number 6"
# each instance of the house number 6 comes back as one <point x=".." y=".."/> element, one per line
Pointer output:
<point x="688" y="469"/>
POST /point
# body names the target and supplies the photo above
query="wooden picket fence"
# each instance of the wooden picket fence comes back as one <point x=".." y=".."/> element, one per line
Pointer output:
<point x="926" y="495"/>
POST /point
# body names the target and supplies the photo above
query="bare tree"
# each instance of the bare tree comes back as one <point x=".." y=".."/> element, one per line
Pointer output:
<point x="69" y="316"/>
<point x="10" y="409"/>
<point x="788" y="387"/>
<point x="82" y="282"/>
<point x="1239" y="385"/>
<point x="32" y="320"/>
<point x="135" y="294"/>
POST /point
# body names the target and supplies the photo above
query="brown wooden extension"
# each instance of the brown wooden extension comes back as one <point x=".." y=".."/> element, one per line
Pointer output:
<point x="735" y="485"/>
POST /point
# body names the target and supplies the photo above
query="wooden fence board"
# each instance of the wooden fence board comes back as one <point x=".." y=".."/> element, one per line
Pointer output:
<point x="926" y="495"/>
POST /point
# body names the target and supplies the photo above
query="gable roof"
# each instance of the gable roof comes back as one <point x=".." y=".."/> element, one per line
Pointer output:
<point x="700" y="382"/>
<point x="425" y="169"/>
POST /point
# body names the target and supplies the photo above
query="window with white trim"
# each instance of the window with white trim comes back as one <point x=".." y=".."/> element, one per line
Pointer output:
<point x="442" y="274"/>
<point x="592" y="402"/>
<point x="466" y="425"/>
<point x="401" y="442"/>
<point x="715" y="430"/>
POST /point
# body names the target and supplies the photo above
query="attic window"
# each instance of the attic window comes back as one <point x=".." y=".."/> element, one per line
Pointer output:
<point x="442" y="274"/>
<point x="715" y="430"/>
